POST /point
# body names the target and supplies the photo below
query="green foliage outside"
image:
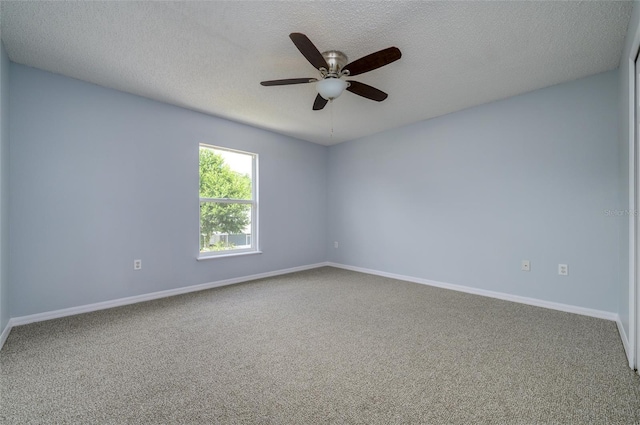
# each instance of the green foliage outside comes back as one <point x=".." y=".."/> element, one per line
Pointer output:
<point x="218" y="180"/>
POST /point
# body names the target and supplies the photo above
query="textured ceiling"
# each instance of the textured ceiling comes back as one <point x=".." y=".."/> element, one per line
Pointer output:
<point x="211" y="56"/>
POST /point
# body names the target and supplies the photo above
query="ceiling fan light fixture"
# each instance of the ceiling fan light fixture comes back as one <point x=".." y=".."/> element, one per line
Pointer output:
<point x="331" y="88"/>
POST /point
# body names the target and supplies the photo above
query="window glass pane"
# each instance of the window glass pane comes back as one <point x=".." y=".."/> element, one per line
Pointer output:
<point x="225" y="174"/>
<point x="224" y="227"/>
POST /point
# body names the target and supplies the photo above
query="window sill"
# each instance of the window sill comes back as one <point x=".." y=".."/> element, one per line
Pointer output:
<point x="234" y="254"/>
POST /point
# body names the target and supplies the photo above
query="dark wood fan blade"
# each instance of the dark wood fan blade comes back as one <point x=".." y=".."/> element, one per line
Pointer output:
<point x="288" y="81"/>
<point x="319" y="103"/>
<point x="308" y="50"/>
<point x="367" y="91"/>
<point x="373" y="61"/>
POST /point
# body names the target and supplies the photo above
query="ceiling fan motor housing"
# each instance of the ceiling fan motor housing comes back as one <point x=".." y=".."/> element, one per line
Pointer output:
<point x="336" y="61"/>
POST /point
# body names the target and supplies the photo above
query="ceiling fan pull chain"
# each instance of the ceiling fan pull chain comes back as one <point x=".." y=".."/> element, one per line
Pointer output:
<point x="331" y="107"/>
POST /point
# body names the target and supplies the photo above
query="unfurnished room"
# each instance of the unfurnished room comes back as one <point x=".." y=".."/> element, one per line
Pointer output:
<point x="288" y="212"/>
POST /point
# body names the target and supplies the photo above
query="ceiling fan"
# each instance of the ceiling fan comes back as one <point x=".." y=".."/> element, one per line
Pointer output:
<point x="333" y="65"/>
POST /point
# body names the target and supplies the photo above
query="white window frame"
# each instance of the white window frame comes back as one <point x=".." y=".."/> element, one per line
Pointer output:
<point x="253" y="249"/>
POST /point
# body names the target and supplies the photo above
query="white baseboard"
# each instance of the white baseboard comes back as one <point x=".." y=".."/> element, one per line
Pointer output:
<point x="625" y="342"/>
<point x="486" y="293"/>
<point x="23" y="320"/>
<point x="5" y="333"/>
<point x="39" y="317"/>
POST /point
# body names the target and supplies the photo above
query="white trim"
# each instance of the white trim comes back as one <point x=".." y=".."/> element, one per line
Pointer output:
<point x="23" y="320"/>
<point x="230" y="254"/>
<point x="5" y="333"/>
<point x="623" y="337"/>
<point x="39" y="317"/>
<point x="224" y="148"/>
<point x="486" y="293"/>
<point x="632" y="353"/>
<point x="633" y="237"/>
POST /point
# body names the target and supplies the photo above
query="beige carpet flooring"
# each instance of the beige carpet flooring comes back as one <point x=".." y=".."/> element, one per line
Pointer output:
<point x="325" y="346"/>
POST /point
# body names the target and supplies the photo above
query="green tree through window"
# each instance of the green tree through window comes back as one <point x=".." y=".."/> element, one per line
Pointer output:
<point x="225" y="201"/>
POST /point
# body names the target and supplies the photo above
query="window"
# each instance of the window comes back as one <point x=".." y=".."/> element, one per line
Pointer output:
<point x="228" y="202"/>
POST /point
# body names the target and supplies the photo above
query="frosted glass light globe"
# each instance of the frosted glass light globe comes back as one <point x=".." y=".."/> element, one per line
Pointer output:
<point x="330" y="88"/>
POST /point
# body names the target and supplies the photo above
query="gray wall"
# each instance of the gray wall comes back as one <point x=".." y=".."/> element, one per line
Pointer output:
<point x="465" y="197"/>
<point x="4" y="189"/>
<point x="623" y="293"/>
<point x="100" y="178"/>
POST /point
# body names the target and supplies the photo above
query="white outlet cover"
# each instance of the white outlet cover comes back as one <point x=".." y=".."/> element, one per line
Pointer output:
<point x="526" y="266"/>
<point x="563" y="269"/>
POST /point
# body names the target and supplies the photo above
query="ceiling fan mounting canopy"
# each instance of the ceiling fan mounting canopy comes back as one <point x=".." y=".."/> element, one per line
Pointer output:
<point x="333" y="65"/>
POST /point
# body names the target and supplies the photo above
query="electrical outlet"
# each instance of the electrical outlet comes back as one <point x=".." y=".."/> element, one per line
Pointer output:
<point x="563" y="269"/>
<point x="335" y="244"/>
<point x="137" y="264"/>
<point x="526" y="266"/>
